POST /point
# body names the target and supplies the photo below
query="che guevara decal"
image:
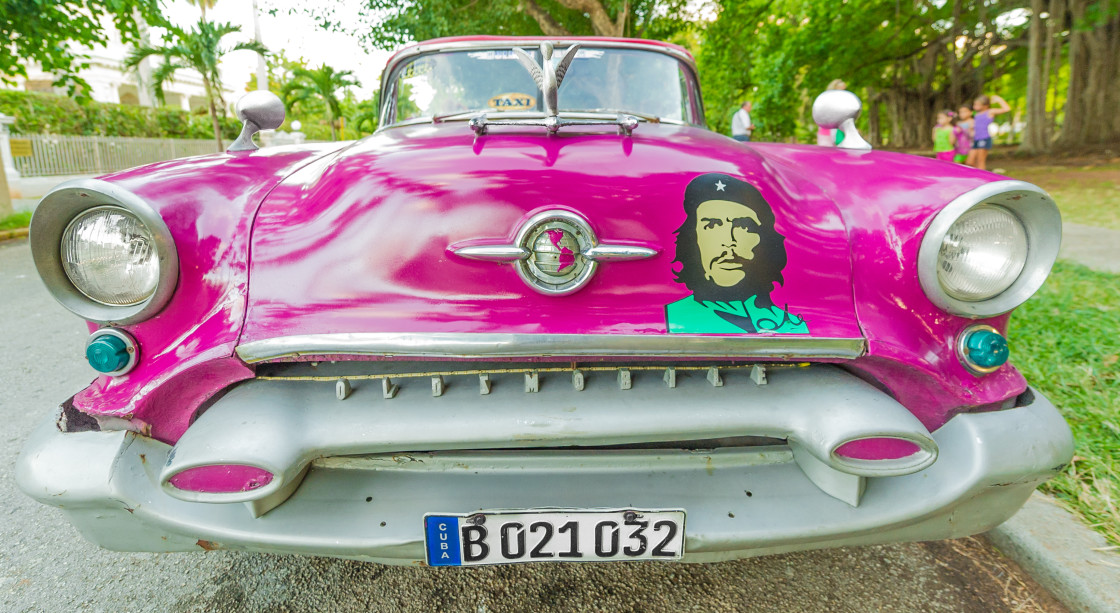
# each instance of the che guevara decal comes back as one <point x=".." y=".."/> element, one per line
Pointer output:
<point x="730" y="257"/>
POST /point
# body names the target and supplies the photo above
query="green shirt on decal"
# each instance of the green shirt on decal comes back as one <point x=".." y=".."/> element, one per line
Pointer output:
<point x="689" y="315"/>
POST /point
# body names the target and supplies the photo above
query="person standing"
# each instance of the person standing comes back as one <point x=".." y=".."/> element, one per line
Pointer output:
<point x="964" y="134"/>
<point x="981" y="134"/>
<point x="741" y="126"/>
<point x="944" y="137"/>
<point x="825" y="136"/>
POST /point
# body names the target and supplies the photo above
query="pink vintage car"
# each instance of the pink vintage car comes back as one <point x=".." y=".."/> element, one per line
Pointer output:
<point x="543" y="314"/>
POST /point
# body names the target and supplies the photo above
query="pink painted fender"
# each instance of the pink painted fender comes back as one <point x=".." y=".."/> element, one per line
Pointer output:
<point x="887" y="201"/>
<point x="208" y="203"/>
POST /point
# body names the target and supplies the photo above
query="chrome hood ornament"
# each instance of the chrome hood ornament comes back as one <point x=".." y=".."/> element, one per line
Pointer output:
<point x="555" y="252"/>
<point x="549" y="76"/>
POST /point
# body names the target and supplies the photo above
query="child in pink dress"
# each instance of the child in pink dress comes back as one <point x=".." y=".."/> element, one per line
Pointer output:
<point x="962" y="129"/>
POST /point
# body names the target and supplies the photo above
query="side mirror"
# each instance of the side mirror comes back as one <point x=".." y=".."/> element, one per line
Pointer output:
<point x="838" y="109"/>
<point x="258" y="110"/>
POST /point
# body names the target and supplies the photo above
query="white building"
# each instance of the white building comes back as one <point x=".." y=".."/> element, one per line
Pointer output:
<point x="109" y="82"/>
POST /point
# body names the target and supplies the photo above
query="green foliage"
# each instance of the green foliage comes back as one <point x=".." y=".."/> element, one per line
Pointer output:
<point x="364" y="116"/>
<point x="279" y="68"/>
<point x="1066" y="341"/>
<point x="388" y="23"/>
<point x="323" y="84"/>
<point x="40" y="30"/>
<point x="312" y="111"/>
<point x="42" y="113"/>
<point x="910" y="58"/>
<point x="21" y="219"/>
<point x="120" y="120"/>
<point x="199" y="48"/>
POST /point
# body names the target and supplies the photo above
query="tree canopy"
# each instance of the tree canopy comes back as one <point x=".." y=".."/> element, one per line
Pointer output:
<point x="910" y="59"/>
<point x="40" y="30"/>
<point x="388" y="23"/>
<point x="1058" y="61"/>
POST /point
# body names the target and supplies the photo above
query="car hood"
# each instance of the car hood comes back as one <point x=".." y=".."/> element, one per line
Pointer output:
<point x="360" y="241"/>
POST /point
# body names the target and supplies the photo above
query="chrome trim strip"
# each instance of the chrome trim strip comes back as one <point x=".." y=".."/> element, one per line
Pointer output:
<point x="484" y="345"/>
<point x="492" y="253"/>
<point x="618" y="253"/>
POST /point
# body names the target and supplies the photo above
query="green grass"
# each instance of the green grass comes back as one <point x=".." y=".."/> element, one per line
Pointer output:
<point x="16" y="220"/>
<point x="1066" y="340"/>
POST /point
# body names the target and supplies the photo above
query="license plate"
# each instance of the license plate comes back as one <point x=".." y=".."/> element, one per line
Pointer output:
<point x="506" y="537"/>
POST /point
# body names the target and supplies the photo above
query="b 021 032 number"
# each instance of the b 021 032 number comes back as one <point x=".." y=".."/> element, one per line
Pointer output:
<point x="553" y="536"/>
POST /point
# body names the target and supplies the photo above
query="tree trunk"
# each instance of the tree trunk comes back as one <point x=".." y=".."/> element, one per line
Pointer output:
<point x="954" y="62"/>
<point x="1094" y="79"/>
<point x="1053" y="62"/>
<point x="1072" y="134"/>
<point x="1101" y="99"/>
<point x="1034" y="137"/>
<point x="601" y="22"/>
<point x="874" y="127"/>
<point x="548" y="25"/>
<point x="213" y="114"/>
<point x="896" y="119"/>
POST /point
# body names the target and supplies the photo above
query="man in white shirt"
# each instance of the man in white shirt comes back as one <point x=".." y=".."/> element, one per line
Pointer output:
<point x="741" y="126"/>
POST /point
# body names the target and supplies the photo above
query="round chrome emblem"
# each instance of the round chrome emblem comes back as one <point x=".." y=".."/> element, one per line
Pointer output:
<point x="556" y="242"/>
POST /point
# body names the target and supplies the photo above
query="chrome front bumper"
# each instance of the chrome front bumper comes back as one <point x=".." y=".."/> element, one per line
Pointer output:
<point x="740" y="502"/>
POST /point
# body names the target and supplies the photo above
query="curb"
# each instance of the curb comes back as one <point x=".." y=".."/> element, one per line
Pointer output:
<point x="1074" y="563"/>
<point x="10" y="234"/>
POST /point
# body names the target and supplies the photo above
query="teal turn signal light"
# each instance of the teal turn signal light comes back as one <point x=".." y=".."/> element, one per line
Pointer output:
<point x="111" y="351"/>
<point x="982" y="349"/>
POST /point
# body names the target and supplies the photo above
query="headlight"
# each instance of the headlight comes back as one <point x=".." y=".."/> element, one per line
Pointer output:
<point x="103" y="252"/>
<point x="982" y="254"/>
<point x="990" y="249"/>
<point x="110" y="256"/>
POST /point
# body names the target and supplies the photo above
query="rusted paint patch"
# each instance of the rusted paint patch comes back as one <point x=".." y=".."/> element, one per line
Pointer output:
<point x="208" y="545"/>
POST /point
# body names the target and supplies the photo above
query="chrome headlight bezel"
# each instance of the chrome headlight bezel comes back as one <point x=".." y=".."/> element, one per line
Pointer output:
<point x="49" y="222"/>
<point x="1041" y="221"/>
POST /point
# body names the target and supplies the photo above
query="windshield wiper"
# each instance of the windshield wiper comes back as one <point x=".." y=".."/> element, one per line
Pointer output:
<point x="626" y="122"/>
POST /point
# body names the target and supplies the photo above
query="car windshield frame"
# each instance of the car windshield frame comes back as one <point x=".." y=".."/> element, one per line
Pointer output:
<point x="397" y="64"/>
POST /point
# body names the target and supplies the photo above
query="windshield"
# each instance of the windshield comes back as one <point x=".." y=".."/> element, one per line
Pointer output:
<point x="598" y="80"/>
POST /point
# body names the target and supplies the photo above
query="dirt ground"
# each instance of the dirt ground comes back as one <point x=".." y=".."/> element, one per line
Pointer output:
<point x="1086" y="186"/>
<point x="1062" y="170"/>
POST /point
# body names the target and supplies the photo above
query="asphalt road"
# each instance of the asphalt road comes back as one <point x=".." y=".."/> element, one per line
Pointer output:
<point x="46" y="566"/>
